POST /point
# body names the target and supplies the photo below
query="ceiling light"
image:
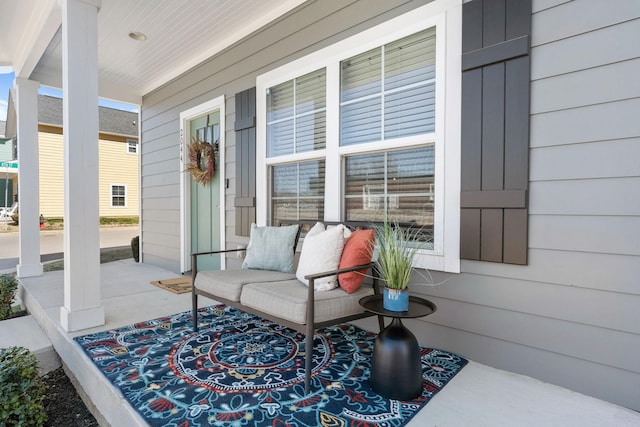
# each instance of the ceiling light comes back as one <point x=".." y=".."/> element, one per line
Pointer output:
<point x="136" y="35"/>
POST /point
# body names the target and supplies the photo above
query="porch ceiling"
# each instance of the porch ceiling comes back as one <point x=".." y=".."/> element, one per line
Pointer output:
<point x="180" y="34"/>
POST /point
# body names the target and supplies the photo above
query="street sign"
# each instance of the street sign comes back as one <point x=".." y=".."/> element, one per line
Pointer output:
<point x="8" y="165"/>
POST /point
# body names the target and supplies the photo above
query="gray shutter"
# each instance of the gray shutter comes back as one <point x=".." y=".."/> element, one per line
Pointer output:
<point x="245" y="128"/>
<point x="495" y="130"/>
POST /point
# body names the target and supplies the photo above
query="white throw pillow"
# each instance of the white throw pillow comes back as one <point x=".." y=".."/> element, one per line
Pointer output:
<point x="347" y="232"/>
<point x="318" y="227"/>
<point x="321" y="252"/>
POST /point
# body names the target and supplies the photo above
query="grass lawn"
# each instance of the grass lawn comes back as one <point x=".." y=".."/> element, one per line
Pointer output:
<point x="58" y="223"/>
<point x="106" y="255"/>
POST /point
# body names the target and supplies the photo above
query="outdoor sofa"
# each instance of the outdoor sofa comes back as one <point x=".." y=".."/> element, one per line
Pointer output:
<point x="281" y="296"/>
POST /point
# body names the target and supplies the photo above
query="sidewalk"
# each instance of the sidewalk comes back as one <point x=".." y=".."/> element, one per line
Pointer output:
<point x="52" y="244"/>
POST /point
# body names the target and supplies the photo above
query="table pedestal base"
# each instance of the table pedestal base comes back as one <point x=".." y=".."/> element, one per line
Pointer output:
<point x="396" y="370"/>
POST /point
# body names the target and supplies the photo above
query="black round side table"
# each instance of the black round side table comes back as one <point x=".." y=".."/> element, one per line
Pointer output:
<point x="396" y="369"/>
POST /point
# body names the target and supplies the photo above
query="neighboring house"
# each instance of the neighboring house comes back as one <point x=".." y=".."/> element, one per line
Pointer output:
<point x="8" y="171"/>
<point x="118" y="163"/>
<point x="515" y="143"/>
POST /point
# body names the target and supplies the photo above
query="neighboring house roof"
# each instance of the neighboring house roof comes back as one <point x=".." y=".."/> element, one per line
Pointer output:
<point x="112" y="121"/>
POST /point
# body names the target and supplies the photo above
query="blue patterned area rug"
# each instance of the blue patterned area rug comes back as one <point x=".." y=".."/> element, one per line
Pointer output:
<point x="242" y="370"/>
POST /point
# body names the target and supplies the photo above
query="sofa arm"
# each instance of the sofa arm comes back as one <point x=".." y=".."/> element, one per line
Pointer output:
<point x="217" y="252"/>
<point x="194" y="260"/>
<point x="338" y="271"/>
<point x="312" y="277"/>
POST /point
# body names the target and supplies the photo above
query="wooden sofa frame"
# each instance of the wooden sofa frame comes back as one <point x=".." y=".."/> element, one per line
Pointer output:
<point x="308" y="328"/>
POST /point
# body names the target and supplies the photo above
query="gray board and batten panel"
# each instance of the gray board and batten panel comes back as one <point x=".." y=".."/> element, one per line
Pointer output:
<point x="569" y="316"/>
<point x="245" y="128"/>
<point x="495" y="130"/>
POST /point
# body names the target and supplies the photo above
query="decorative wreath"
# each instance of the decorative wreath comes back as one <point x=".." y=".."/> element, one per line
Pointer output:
<point x="202" y="161"/>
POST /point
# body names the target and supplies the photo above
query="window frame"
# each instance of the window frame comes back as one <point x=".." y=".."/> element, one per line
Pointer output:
<point x="111" y="196"/>
<point x="446" y="16"/>
<point x="132" y="143"/>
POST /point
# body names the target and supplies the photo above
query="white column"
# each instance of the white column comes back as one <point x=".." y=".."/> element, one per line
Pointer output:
<point x="28" y="177"/>
<point x="82" y="296"/>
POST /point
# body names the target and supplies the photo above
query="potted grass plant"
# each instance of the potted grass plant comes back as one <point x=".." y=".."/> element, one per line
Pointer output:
<point x="396" y="251"/>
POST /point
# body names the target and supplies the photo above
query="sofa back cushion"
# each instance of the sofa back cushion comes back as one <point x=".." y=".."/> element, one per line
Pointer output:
<point x="271" y="248"/>
<point x="321" y="252"/>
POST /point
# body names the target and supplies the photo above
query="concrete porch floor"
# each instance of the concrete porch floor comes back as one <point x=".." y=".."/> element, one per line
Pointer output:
<point x="479" y="395"/>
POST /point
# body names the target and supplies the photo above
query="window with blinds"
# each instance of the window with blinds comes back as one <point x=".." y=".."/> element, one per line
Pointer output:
<point x="381" y="112"/>
<point x="389" y="92"/>
<point x="297" y="191"/>
<point x="393" y="185"/>
<point x="296" y="115"/>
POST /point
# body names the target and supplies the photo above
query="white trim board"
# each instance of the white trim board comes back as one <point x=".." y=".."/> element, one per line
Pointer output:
<point x="446" y="16"/>
<point x="185" y="193"/>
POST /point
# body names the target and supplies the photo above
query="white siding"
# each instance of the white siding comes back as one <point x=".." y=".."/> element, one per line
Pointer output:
<point x="571" y="316"/>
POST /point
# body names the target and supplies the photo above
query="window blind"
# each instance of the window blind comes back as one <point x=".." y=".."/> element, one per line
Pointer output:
<point x="389" y="92"/>
<point x="296" y="115"/>
<point x="297" y="191"/>
<point x="397" y="185"/>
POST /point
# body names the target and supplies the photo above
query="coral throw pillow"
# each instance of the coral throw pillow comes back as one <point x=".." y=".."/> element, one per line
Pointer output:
<point x="357" y="251"/>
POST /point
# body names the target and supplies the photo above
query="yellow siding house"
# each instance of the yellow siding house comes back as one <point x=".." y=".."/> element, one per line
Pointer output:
<point x="118" y="160"/>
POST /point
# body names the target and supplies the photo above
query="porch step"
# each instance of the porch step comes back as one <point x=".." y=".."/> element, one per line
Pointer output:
<point x="25" y="332"/>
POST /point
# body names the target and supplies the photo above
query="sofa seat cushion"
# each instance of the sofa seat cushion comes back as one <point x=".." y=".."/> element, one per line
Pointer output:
<point x="288" y="300"/>
<point x="228" y="283"/>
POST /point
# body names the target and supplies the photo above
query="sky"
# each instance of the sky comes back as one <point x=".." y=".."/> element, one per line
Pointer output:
<point x="6" y="83"/>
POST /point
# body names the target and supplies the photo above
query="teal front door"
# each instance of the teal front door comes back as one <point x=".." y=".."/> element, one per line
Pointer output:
<point x="205" y="200"/>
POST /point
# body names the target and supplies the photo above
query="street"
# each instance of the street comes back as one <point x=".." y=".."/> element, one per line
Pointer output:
<point x="52" y="246"/>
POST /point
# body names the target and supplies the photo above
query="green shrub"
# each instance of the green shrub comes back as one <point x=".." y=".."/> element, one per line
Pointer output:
<point x="135" y="248"/>
<point x="8" y="287"/>
<point x="22" y="391"/>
